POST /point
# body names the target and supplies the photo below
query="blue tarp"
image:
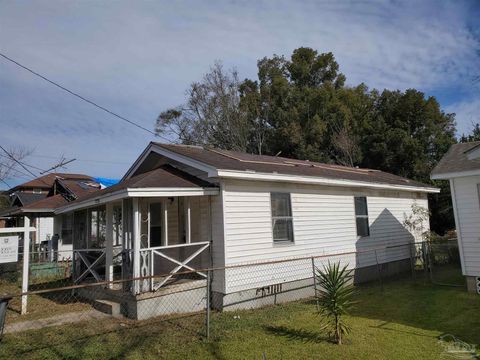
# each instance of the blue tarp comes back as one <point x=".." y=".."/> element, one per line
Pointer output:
<point x="106" y="182"/>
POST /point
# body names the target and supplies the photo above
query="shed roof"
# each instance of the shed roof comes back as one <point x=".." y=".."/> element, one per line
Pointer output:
<point x="456" y="160"/>
<point x="234" y="160"/>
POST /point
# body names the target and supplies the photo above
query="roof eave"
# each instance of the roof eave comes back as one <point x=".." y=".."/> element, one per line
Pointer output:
<point x="252" y="175"/>
<point x="136" y="192"/>
<point x="454" y="174"/>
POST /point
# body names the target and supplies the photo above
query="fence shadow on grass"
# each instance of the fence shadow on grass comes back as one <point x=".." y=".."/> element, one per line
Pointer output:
<point x="303" y="335"/>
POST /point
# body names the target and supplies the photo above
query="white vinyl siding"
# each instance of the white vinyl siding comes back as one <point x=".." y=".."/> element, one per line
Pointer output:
<point x="467" y="208"/>
<point x="324" y="223"/>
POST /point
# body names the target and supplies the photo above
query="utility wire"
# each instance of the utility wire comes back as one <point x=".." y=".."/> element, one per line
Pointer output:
<point x="81" y="97"/>
<point x="18" y="162"/>
<point x="24" y="163"/>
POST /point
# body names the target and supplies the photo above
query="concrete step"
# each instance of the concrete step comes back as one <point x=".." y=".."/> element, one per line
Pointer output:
<point x="108" y="307"/>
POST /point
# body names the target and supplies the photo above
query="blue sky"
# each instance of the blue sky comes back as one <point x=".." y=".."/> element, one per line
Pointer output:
<point x="138" y="58"/>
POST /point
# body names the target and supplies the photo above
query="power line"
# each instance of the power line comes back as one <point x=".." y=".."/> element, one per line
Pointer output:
<point x="18" y="162"/>
<point x="81" y="97"/>
<point x="84" y="160"/>
<point x="24" y="163"/>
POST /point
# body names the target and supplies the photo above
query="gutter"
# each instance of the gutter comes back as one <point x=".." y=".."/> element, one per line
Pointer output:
<point x="252" y="175"/>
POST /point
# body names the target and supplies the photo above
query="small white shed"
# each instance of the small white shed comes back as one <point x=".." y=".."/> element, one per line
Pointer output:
<point x="461" y="166"/>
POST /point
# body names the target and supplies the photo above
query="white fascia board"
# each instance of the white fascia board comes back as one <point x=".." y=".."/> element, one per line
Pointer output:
<point x="210" y="170"/>
<point x="169" y="192"/>
<point x="98" y="200"/>
<point x="451" y="175"/>
<point x="137" y="192"/>
<point x="319" y="181"/>
<point x="137" y="162"/>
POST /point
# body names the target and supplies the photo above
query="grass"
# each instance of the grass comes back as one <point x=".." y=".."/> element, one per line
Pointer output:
<point x="41" y="306"/>
<point x="403" y="321"/>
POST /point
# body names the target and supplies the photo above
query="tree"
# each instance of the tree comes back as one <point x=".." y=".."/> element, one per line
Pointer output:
<point x="211" y="115"/>
<point x="300" y="107"/>
<point x="473" y="136"/>
<point x="10" y="160"/>
<point x="334" y="298"/>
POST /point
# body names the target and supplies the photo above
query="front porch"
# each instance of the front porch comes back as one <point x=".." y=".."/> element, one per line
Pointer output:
<point x="148" y="240"/>
<point x="142" y="234"/>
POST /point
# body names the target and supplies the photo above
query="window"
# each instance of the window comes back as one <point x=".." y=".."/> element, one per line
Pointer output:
<point x="37" y="191"/>
<point x="282" y="222"/>
<point x="67" y="229"/>
<point x="361" y="216"/>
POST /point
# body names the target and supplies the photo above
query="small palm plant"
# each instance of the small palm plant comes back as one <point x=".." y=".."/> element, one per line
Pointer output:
<point x="334" y="298"/>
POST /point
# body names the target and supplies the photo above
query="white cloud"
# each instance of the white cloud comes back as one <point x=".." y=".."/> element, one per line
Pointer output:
<point x="467" y="114"/>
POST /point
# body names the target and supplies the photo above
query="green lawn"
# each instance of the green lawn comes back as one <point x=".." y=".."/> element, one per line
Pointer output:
<point x="402" y="322"/>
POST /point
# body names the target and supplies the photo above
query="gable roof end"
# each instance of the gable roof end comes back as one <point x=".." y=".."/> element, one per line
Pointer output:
<point x="461" y="159"/>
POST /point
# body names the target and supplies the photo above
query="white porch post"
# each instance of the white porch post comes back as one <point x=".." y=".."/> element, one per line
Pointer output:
<point x="136" y="244"/>
<point x="26" y="262"/>
<point x="188" y="222"/>
<point x="165" y="221"/>
<point x="109" y="244"/>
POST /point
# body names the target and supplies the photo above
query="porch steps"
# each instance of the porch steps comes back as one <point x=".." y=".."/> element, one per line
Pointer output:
<point x="108" y="307"/>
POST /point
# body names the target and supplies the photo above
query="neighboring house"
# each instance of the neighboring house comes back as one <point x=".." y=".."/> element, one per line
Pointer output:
<point x="461" y="166"/>
<point x="38" y="199"/>
<point x="193" y="207"/>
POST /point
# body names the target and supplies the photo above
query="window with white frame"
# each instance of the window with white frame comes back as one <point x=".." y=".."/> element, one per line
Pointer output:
<point x="361" y="216"/>
<point x="282" y="221"/>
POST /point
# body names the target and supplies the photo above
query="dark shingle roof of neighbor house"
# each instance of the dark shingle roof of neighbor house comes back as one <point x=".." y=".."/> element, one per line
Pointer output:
<point x="46" y="181"/>
<point x="165" y="176"/>
<point x="455" y="160"/>
<point x="28" y="198"/>
<point x="234" y="160"/>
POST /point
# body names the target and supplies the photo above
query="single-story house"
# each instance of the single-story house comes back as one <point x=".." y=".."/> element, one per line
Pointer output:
<point x="38" y="199"/>
<point x="183" y="207"/>
<point x="461" y="166"/>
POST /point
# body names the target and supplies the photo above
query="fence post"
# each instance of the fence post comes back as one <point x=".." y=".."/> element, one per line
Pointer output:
<point x="412" y="260"/>
<point x="26" y="262"/>
<point x="379" y="270"/>
<point x="207" y="319"/>
<point x="314" y="281"/>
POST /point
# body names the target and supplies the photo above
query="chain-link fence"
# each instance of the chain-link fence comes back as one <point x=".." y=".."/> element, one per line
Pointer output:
<point x="68" y="314"/>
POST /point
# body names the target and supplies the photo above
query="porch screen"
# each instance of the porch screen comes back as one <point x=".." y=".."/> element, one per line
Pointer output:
<point x="282" y="221"/>
<point x="156" y="224"/>
<point x="67" y="229"/>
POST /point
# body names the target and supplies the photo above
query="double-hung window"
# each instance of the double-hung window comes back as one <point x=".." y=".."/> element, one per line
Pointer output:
<point x="361" y="216"/>
<point x="282" y="221"/>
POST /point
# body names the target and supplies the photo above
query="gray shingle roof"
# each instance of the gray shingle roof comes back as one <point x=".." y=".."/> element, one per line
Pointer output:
<point x="456" y="160"/>
<point x="233" y="160"/>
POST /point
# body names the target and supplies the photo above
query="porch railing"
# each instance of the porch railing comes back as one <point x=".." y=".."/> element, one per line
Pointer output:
<point x="91" y="262"/>
<point x="147" y="263"/>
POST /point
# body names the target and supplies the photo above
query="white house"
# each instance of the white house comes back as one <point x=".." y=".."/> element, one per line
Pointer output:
<point x="461" y="166"/>
<point x="193" y="208"/>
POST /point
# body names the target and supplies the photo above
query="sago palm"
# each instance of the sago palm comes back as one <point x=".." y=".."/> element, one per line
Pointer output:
<point x="334" y="298"/>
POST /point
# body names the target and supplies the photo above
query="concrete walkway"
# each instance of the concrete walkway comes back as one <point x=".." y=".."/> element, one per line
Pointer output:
<point x="56" y="320"/>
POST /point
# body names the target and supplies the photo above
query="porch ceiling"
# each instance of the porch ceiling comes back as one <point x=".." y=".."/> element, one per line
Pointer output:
<point x="166" y="181"/>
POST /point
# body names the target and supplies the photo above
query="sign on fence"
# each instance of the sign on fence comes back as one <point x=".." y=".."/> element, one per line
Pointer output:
<point x="8" y="249"/>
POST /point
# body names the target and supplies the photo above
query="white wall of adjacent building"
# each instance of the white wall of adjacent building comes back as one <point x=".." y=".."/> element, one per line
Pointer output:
<point x="466" y="206"/>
